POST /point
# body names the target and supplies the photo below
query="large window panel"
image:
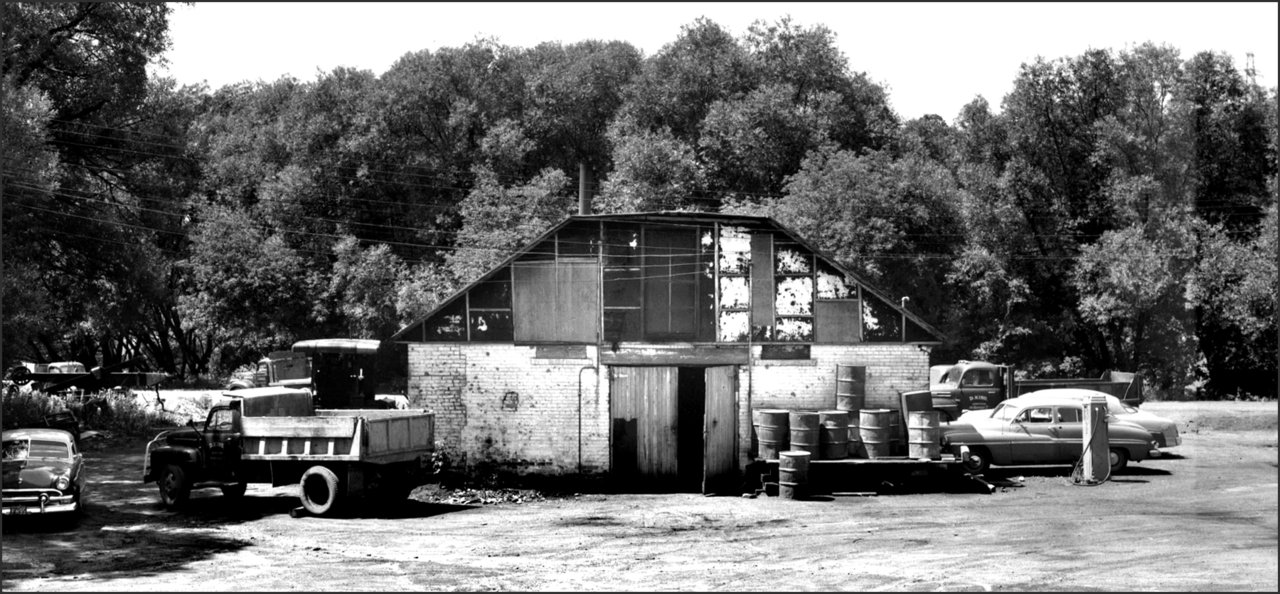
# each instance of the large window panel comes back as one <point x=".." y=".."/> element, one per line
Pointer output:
<point x="671" y="284"/>
<point x="556" y="301"/>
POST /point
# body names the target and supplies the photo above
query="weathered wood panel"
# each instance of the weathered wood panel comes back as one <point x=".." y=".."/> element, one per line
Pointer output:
<point x="719" y="441"/>
<point x="646" y="395"/>
<point x="556" y="301"/>
<point x="657" y="354"/>
<point x="762" y="279"/>
<point x="837" y="322"/>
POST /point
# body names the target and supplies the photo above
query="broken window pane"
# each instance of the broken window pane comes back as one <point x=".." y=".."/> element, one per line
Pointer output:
<point x="794" y="296"/>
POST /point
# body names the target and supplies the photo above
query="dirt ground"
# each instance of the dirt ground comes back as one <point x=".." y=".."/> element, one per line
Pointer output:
<point x="1203" y="518"/>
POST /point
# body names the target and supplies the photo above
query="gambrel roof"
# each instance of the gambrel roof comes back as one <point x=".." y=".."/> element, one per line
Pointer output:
<point x="928" y="334"/>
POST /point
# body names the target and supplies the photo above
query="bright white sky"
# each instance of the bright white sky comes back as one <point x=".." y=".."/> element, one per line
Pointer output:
<point x="931" y="57"/>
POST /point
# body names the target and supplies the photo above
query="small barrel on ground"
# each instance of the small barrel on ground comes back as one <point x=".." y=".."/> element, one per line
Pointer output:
<point x="793" y="474"/>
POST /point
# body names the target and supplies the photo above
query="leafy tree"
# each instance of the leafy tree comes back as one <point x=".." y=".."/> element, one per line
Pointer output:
<point x="572" y="93"/>
<point x="676" y="87"/>
<point x="248" y="289"/>
<point x="1132" y="286"/>
<point x="1234" y="293"/>
<point x="894" y="222"/>
<point x="498" y="220"/>
<point x="652" y="171"/>
<point x="363" y="287"/>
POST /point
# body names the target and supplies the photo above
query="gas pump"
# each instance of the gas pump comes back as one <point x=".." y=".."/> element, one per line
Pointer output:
<point x="1096" y="449"/>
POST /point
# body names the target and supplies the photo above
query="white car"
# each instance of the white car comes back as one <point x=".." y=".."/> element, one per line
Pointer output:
<point x="1163" y="430"/>
<point x="1046" y="429"/>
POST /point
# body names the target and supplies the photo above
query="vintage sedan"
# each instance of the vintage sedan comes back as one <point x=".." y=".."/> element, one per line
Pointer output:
<point x="1042" y="430"/>
<point x="43" y="472"/>
<point x="1164" y="431"/>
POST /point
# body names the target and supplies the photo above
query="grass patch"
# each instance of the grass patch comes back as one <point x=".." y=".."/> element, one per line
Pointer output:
<point x="117" y="414"/>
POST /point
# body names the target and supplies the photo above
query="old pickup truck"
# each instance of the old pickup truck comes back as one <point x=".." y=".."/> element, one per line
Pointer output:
<point x="977" y="385"/>
<point x="274" y="435"/>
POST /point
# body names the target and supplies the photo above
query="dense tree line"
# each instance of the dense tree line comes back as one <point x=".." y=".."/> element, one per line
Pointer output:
<point x="1117" y="211"/>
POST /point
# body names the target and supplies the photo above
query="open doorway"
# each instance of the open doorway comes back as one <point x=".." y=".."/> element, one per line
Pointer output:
<point x="691" y="406"/>
<point x="673" y="428"/>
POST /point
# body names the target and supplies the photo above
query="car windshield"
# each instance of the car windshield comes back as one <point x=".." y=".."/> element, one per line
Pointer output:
<point x="22" y="449"/>
<point x="1116" y="407"/>
<point x="950" y="377"/>
<point x="1005" y="412"/>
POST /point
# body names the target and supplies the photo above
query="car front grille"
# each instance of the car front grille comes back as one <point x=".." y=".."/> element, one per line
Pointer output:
<point x="32" y="497"/>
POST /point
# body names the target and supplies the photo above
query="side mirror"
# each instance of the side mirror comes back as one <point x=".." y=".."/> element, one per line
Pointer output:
<point x="191" y="423"/>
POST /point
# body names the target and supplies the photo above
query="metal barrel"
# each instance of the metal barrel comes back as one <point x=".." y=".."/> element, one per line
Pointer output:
<point x="923" y="435"/>
<point x="875" y="429"/>
<point x="772" y="431"/>
<point x="804" y="431"/>
<point x="793" y="474"/>
<point x="833" y="434"/>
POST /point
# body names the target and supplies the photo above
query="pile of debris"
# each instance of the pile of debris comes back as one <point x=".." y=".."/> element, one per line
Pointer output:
<point x="473" y="496"/>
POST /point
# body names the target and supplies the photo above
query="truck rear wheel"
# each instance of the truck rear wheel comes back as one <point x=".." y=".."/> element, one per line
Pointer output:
<point x="174" y="487"/>
<point x="320" y="490"/>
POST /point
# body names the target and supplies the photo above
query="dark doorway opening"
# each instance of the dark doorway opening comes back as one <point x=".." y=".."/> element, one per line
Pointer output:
<point x="691" y="401"/>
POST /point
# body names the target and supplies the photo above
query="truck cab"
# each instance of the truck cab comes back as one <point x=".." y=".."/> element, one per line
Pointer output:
<point x="968" y="385"/>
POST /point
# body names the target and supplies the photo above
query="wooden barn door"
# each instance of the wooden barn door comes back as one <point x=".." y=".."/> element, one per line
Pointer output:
<point x="720" y="435"/>
<point x="643" y="407"/>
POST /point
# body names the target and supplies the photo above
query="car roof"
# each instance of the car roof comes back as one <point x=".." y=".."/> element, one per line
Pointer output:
<point x="1075" y="394"/>
<point x="37" y="433"/>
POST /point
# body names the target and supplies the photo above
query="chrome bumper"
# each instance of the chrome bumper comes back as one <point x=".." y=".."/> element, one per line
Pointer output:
<point x="21" y="502"/>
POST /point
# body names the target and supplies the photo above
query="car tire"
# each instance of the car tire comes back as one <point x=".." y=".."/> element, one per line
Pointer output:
<point x="175" y="489"/>
<point x="235" y="491"/>
<point x="1119" y="459"/>
<point x="319" y="491"/>
<point x="978" y="462"/>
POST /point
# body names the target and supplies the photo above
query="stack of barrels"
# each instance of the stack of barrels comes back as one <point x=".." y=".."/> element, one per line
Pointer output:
<point x="849" y="398"/>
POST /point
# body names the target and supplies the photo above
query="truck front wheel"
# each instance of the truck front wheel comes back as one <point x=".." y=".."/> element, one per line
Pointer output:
<point x="319" y="490"/>
<point x="174" y="487"/>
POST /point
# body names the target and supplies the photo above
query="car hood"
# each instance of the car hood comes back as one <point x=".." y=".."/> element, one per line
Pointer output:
<point x="33" y="474"/>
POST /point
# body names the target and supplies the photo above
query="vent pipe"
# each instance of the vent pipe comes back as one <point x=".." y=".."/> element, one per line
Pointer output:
<point x="584" y="205"/>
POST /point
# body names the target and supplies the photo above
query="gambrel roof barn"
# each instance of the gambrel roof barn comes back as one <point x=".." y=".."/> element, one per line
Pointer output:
<point x="638" y="344"/>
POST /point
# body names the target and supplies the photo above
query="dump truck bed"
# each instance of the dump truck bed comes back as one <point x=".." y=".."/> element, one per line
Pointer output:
<point x="371" y="436"/>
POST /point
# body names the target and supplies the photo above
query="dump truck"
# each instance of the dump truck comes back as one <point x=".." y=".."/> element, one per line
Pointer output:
<point x="976" y="385"/>
<point x="339" y="458"/>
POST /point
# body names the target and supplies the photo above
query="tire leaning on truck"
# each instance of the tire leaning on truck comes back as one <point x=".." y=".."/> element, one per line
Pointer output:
<point x="320" y="491"/>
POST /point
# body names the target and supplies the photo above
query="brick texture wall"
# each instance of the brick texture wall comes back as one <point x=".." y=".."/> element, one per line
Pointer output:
<point x="501" y="405"/>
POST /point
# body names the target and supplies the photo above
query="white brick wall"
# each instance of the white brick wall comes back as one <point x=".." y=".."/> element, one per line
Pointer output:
<point x="498" y="404"/>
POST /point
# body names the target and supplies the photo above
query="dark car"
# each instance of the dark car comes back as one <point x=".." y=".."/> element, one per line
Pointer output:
<point x="43" y="472"/>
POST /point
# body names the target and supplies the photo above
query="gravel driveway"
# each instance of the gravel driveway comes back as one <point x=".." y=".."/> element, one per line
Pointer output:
<point x="1203" y="519"/>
